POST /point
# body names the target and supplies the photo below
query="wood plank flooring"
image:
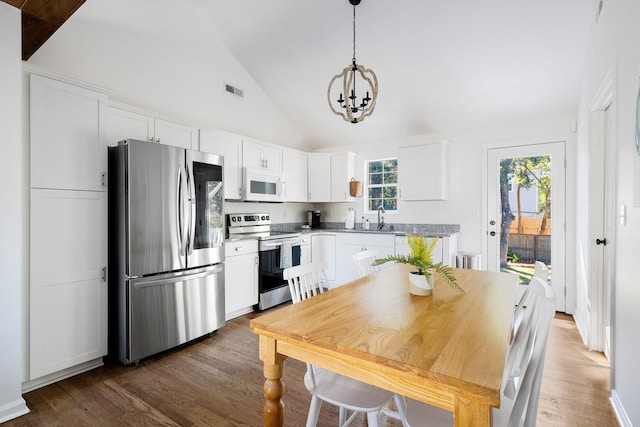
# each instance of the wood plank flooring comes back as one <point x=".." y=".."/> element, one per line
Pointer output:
<point x="217" y="381"/>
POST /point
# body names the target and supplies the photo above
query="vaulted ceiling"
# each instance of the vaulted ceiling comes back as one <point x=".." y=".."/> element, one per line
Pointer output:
<point x="441" y="65"/>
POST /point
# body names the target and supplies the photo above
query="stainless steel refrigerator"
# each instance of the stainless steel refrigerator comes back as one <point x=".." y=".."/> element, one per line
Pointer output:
<point x="166" y="233"/>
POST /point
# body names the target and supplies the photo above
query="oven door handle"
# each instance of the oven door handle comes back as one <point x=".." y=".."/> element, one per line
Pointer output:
<point x="296" y="242"/>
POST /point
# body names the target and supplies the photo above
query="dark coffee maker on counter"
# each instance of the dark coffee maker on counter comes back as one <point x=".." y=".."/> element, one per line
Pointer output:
<point x="315" y="219"/>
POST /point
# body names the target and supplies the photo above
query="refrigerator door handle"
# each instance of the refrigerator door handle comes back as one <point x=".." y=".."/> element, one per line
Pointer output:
<point x="180" y="211"/>
<point x="173" y="278"/>
<point x="192" y="208"/>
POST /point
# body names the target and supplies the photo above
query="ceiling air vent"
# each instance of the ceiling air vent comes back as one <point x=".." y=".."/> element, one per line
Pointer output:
<point x="234" y="90"/>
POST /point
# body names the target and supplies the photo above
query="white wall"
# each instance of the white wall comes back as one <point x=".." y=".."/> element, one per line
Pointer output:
<point x="615" y="41"/>
<point x="466" y="150"/>
<point x="11" y="402"/>
<point x="161" y="71"/>
<point x="280" y="212"/>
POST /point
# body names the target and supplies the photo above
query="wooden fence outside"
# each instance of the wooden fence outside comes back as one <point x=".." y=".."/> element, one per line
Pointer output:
<point x="530" y="226"/>
<point x="531" y="247"/>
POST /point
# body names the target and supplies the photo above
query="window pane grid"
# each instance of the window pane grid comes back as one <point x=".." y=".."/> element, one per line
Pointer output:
<point x="382" y="184"/>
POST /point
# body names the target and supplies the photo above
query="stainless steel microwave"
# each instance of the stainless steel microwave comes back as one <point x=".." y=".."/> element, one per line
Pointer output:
<point x="261" y="185"/>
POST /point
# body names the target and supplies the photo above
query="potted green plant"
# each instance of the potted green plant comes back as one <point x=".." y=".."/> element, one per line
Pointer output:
<point x="421" y="256"/>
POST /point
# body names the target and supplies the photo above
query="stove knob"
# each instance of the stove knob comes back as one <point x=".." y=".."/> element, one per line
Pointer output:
<point x="263" y="217"/>
<point x="267" y="217"/>
<point x="233" y="219"/>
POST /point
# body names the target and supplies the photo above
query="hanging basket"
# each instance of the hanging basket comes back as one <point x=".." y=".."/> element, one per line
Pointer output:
<point x="355" y="188"/>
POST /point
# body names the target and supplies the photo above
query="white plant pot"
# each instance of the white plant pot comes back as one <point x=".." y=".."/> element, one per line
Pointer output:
<point x="419" y="284"/>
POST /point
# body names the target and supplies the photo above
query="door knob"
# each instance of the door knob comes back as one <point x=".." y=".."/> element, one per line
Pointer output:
<point x="601" y="242"/>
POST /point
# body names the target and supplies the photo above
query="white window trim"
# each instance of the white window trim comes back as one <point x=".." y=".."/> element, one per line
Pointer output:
<point x="366" y="186"/>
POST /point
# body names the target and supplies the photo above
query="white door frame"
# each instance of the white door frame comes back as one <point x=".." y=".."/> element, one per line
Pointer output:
<point x="557" y="149"/>
<point x="602" y="203"/>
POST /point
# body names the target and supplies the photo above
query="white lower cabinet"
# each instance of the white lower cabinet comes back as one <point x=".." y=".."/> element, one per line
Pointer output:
<point x="445" y="250"/>
<point x="323" y="248"/>
<point x="348" y="244"/>
<point x="68" y="288"/>
<point x="240" y="277"/>
<point x="305" y="250"/>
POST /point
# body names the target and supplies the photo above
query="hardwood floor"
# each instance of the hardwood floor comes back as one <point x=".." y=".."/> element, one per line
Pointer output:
<point x="217" y="381"/>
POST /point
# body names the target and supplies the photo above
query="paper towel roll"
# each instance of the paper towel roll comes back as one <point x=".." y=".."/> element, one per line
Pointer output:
<point x="350" y="222"/>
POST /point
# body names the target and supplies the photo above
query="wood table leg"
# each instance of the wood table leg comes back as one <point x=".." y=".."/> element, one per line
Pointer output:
<point x="469" y="412"/>
<point x="273" y="385"/>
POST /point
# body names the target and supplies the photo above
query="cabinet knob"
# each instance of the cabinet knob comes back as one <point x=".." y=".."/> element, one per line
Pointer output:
<point x="239" y="249"/>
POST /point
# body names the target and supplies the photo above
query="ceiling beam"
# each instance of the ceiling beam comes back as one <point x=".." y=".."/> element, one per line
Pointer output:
<point x="40" y="19"/>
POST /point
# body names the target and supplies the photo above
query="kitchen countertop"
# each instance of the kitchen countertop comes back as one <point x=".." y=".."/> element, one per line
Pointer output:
<point x="433" y="230"/>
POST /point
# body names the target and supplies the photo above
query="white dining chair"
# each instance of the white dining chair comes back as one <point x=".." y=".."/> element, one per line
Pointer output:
<point x="522" y="375"/>
<point x="541" y="271"/>
<point x="348" y="394"/>
<point x="365" y="263"/>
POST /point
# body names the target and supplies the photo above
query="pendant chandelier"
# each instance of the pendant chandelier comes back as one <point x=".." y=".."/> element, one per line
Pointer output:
<point x="347" y="105"/>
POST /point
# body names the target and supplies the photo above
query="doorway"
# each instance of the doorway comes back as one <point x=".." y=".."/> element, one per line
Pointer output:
<point x="526" y="212"/>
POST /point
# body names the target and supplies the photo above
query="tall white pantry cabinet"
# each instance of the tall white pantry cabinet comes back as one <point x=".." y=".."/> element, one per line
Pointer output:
<point x="68" y="226"/>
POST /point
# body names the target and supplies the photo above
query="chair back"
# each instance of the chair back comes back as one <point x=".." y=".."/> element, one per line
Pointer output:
<point x="306" y="280"/>
<point x="525" y="357"/>
<point x="541" y="270"/>
<point x="364" y="263"/>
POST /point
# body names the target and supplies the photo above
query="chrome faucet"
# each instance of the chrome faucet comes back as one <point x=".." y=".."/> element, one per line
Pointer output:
<point x="380" y="217"/>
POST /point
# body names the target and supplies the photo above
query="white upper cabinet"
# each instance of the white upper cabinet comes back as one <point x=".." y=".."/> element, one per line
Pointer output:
<point x="229" y="146"/>
<point x="294" y="167"/>
<point x="125" y="124"/>
<point x="68" y="136"/>
<point x="261" y="156"/>
<point x="342" y="170"/>
<point x="176" y="134"/>
<point x="423" y="171"/>
<point x="319" y="177"/>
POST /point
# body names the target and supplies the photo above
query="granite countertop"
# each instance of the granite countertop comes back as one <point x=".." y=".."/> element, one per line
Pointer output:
<point x="434" y="230"/>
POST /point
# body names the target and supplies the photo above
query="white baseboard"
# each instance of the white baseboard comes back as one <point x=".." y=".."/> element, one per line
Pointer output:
<point x="13" y="410"/>
<point x="583" y="327"/>
<point x="240" y="312"/>
<point x="31" y="385"/>
<point x="623" y="418"/>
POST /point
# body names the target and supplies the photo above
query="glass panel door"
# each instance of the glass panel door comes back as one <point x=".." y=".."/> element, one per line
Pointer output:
<point x="209" y="195"/>
<point x="206" y="231"/>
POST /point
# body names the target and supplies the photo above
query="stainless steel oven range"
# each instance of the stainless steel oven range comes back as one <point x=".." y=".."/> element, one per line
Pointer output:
<point x="277" y="251"/>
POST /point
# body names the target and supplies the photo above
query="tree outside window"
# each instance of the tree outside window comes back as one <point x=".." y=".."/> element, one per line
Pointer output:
<point x="382" y="184"/>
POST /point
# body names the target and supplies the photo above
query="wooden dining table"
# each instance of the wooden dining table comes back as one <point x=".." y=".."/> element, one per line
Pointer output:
<point x="447" y="349"/>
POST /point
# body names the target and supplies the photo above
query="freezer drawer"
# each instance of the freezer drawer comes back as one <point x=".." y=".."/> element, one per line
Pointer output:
<point x="168" y="310"/>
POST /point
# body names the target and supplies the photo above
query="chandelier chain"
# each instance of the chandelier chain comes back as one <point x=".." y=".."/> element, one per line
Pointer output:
<point x="354" y="33"/>
<point x="351" y="107"/>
